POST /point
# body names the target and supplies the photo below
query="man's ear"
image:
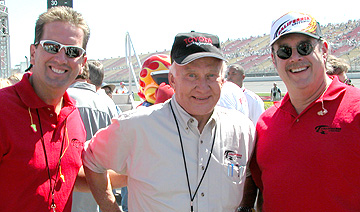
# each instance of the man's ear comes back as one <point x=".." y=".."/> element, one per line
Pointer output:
<point x="171" y="79"/>
<point x="83" y="64"/>
<point x="325" y="50"/>
<point x="32" y="54"/>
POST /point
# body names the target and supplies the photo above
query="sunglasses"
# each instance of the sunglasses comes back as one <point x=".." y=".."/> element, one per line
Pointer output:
<point x="304" y="49"/>
<point x="54" y="47"/>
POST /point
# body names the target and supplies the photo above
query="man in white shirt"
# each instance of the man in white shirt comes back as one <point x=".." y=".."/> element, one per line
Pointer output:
<point x="233" y="97"/>
<point x="236" y="74"/>
<point x="122" y="89"/>
<point x="182" y="155"/>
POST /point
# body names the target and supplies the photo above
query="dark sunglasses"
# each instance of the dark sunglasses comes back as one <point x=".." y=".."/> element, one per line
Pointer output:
<point x="54" y="47"/>
<point x="304" y="49"/>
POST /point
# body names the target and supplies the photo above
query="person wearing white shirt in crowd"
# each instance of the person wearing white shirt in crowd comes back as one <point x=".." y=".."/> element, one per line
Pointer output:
<point x="233" y="97"/>
<point x="236" y="74"/>
<point x="186" y="154"/>
<point x="122" y="89"/>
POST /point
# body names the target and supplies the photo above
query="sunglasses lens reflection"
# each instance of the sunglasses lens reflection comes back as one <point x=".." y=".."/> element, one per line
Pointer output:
<point x="304" y="49"/>
<point x="54" y="47"/>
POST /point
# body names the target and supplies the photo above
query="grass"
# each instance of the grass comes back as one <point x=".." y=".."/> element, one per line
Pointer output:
<point x="267" y="104"/>
<point x="136" y="97"/>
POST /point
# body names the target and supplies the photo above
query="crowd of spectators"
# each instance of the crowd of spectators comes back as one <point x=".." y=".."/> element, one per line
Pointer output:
<point x="343" y="38"/>
<point x="254" y="54"/>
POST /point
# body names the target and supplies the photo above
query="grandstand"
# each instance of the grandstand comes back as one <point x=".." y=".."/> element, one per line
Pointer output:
<point x="254" y="54"/>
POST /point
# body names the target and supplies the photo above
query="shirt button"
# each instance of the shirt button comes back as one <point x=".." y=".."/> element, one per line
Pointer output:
<point x="201" y="141"/>
<point x="51" y="115"/>
<point x="202" y="167"/>
<point x="49" y="109"/>
<point x="202" y="194"/>
<point x="297" y="120"/>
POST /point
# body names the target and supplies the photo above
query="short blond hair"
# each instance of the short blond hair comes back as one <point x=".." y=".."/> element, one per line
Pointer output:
<point x="64" y="14"/>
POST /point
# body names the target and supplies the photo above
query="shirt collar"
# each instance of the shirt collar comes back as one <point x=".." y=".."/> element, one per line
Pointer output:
<point x="83" y="85"/>
<point x="186" y="120"/>
<point x="335" y="89"/>
<point x="31" y="99"/>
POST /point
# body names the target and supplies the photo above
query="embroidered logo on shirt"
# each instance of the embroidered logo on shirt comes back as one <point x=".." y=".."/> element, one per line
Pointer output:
<point x="76" y="143"/>
<point x="232" y="155"/>
<point x="324" y="129"/>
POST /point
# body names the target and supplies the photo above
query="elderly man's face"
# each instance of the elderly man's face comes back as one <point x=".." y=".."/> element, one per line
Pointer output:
<point x="197" y="85"/>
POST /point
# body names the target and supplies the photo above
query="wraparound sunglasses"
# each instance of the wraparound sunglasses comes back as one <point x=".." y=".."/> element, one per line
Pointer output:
<point x="54" y="47"/>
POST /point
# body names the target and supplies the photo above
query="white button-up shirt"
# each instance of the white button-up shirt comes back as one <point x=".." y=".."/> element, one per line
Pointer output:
<point x="145" y="145"/>
<point x="255" y="103"/>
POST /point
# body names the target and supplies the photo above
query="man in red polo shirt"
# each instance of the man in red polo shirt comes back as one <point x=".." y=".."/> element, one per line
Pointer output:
<point x="41" y="132"/>
<point x="308" y="145"/>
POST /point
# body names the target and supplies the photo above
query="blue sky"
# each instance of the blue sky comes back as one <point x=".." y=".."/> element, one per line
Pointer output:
<point x="153" y="24"/>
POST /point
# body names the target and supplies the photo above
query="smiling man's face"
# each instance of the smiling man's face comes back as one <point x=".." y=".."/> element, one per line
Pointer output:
<point x="300" y="71"/>
<point x="57" y="71"/>
<point x="197" y="85"/>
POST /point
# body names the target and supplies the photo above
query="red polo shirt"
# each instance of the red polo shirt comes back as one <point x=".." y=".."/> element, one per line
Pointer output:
<point x="24" y="180"/>
<point x="307" y="161"/>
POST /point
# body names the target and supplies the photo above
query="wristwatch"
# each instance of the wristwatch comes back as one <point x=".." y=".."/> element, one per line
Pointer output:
<point x="245" y="209"/>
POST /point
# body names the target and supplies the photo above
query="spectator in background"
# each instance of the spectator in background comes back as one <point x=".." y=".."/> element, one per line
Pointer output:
<point x="96" y="76"/>
<point x="236" y="74"/>
<point x="108" y="88"/>
<point x="95" y="114"/>
<point x="275" y="93"/>
<point x="15" y="78"/>
<point x="338" y="66"/>
<point x="232" y="97"/>
<point x="307" y="150"/>
<point x="96" y="73"/>
<point x="4" y="82"/>
<point x="122" y="89"/>
<point x="166" y="148"/>
<point x="40" y="158"/>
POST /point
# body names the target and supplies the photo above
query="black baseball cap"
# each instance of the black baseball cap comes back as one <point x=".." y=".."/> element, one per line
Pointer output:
<point x="188" y="47"/>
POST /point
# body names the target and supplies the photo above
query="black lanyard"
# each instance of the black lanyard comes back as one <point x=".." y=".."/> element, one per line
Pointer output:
<point x="192" y="197"/>
<point x="52" y="188"/>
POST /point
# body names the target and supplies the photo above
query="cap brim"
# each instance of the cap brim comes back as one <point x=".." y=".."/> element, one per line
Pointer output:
<point x="192" y="57"/>
<point x="297" y="32"/>
<point x="111" y="86"/>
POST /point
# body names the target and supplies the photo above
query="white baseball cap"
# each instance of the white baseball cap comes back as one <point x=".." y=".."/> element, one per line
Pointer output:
<point x="294" y="22"/>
